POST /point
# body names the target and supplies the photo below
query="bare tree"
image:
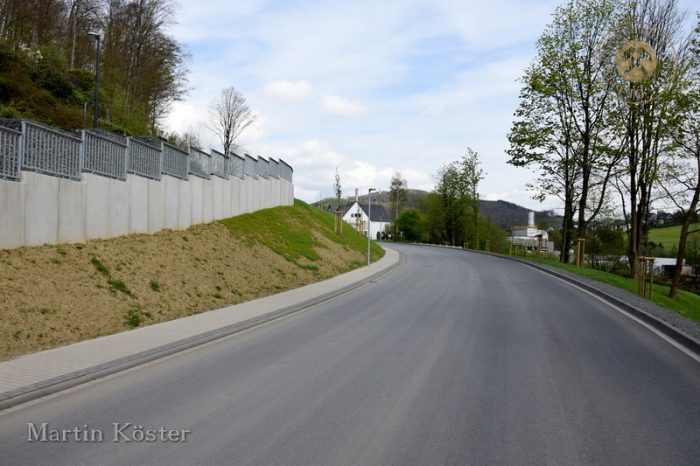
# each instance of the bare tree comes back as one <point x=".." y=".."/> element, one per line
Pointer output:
<point x="230" y="116"/>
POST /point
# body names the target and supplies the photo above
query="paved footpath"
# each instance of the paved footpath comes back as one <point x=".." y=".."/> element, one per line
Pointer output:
<point x="38" y="374"/>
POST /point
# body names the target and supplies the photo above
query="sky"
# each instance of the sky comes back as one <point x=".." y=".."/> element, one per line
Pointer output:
<point x="369" y="88"/>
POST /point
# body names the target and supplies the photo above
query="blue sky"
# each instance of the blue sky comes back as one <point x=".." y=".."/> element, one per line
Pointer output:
<point x="369" y="87"/>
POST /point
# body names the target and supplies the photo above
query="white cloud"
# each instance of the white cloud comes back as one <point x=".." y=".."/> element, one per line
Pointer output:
<point x="428" y="77"/>
<point x="288" y="90"/>
<point x="338" y="106"/>
<point x="254" y="132"/>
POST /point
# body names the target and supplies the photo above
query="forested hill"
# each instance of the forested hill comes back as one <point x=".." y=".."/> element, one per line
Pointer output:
<point x="506" y="214"/>
<point x="47" y="63"/>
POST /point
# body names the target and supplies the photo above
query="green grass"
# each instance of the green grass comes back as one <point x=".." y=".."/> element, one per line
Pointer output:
<point x="100" y="266"/>
<point x="668" y="236"/>
<point x="132" y="318"/>
<point x="289" y="232"/>
<point x="686" y="303"/>
<point x="119" y="285"/>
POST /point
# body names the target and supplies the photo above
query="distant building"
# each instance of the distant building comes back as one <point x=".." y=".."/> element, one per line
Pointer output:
<point x="355" y="214"/>
<point x="530" y="237"/>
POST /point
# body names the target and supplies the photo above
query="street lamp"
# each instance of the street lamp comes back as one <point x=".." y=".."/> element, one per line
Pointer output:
<point x="369" y="223"/>
<point x="97" y="37"/>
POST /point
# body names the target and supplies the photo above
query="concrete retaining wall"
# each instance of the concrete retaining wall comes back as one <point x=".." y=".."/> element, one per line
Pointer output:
<point x="43" y="209"/>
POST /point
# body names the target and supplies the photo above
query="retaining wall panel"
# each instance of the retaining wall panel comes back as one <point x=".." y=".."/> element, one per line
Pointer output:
<point x="208" y="202"/>
<point x="119" y="204"/>
<point x="12" y="213"/>
<point x="156" y="206"/>
<point x="138" y="203"/>
<point x="71" y="211"/>
<point x="184" y="215"/>
<point x="96" y="206"/>
<point x="197" y="199"/>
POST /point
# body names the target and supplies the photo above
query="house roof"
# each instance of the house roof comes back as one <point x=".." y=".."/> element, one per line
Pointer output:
<point x="379" y="213"/>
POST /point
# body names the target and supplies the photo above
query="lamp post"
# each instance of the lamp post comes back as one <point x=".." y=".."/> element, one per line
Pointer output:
<point x="369" y="224"/>
<point x="97" y="37"/>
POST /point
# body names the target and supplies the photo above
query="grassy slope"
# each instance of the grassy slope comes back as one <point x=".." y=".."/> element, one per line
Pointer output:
<point x="286" y="231"/>
<point x="54" y="295"/>
<point x="668" y="236"/>
<point x="686" y="304"/>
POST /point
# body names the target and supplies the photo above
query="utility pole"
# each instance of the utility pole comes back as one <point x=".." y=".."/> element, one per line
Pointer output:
<point x="97" y="37"/>
<point x="369" y="224"/>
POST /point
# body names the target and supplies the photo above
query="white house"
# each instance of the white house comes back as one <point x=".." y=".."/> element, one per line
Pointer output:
<point x="356" y="215"/>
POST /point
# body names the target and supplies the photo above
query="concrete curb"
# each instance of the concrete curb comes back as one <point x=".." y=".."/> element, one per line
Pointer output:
<point x="675" y="334"/>
<point x="52" y="385"/>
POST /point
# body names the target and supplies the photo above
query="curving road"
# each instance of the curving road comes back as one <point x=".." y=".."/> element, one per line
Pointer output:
<point x="454" y="358"/>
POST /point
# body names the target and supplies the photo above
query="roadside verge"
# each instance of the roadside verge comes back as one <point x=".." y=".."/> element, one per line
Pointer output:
<point x="39" y="374"/>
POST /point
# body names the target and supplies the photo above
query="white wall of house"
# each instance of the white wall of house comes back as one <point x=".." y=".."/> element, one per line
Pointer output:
<point x="356" y="213"/>
<point x="41" y="209"/>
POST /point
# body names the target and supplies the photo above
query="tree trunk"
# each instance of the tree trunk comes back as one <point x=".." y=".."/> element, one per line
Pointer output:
<point x="683" y="240"/>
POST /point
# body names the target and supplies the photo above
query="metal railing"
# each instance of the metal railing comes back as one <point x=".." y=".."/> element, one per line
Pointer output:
<point x="50" y="151"/>
<point x="10" y="154"/>
<point x="274" y="168"/>
<point x="200" y="163"/>
<point x="236" y="166"/>
<point x="27" y="145"/>
<point x="263" y="167"/>
<point x="144" y="159"/>
<point x="219" y="164"/>
<point x="250" y="166"/>
<point x="104" y="156"/>
<point x="175" y="161"/>
<point x="286" y="171"/>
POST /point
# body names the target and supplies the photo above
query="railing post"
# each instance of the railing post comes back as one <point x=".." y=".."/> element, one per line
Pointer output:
<point x="81" y="157"/>
<point x="22" y="150"/>
<point x="161" y="159"/>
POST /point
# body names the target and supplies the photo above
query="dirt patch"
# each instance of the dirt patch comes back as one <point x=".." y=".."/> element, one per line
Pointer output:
<point x="55" y="295"/>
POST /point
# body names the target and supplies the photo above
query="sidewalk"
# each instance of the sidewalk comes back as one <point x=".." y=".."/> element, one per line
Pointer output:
<point x="38" y="374"/>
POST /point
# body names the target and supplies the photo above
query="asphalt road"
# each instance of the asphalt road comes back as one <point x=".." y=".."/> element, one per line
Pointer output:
<point x="454" y="358"/>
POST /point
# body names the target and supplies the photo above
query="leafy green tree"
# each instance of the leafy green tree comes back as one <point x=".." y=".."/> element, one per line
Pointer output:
<point x="645" y="120"/>
<point x="397" y="195"/>
<point x="682" y="175"/>
<point x="457" y="191"/>
<point x="410" y="225"/>
<point x="560" y="126"/>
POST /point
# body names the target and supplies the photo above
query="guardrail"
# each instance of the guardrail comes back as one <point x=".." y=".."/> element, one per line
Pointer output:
<point x="200" y="163"/>
<point x="175" y="161"/>
<point x="50" y="151"/>
<point x="236" y="166"/>
<point x="10" y="154"/>
<point x="286" y="171"/>
<point x="250" y="167"/>
<point x="263" y="167"/>
<point x="219" y="164"/>
<point x="27" y="145"/>
<point x="104" y="156"/>
<point x="144" y="159"/>
<point x="274" y="168"/>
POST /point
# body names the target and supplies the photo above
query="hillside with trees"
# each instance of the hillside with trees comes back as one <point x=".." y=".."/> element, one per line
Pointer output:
<point x="48" y="57"/>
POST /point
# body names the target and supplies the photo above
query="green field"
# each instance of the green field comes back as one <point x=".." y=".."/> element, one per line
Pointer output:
<point x="668" y="236"/>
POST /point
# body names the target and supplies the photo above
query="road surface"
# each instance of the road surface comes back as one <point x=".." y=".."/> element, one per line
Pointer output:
<point x="454" y="358"/>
